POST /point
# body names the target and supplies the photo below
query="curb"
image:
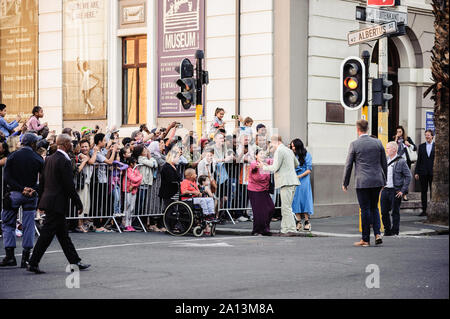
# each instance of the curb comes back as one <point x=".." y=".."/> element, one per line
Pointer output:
<point x="245" y="232"/>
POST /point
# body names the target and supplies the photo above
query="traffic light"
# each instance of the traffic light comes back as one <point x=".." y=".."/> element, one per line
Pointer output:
<point x="379" y="89"/>
<point x="353" y="83"/>
<point x="188" y="93"/>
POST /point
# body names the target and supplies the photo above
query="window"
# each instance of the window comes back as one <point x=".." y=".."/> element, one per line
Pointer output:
<point x="134" y="79"/>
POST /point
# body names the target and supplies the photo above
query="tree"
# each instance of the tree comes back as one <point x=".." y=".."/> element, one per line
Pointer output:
<point x="438" y="210"/>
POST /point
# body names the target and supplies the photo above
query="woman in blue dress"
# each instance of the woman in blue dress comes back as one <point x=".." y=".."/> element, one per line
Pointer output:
<point x="302" y="205"/>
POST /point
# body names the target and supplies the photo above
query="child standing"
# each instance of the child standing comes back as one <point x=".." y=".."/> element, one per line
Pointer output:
<point x="131" y="183"/>
<point x="218" y="122"/>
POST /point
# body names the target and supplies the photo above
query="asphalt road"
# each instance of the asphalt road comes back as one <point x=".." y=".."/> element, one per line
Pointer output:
<point x="156" y="266"/>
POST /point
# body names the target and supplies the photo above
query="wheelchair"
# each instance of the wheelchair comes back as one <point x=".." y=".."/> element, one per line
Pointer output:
<point x="183" y="216"/>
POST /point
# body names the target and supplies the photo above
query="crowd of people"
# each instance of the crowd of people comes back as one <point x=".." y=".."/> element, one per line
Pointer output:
<point x="243" y="172"/>
<point x="128" y="176"/>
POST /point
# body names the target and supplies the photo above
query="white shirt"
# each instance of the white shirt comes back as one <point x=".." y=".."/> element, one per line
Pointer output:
<point x="64" y="153"/>
<point x="429" y="148"/>
<point x="390" y="174"/>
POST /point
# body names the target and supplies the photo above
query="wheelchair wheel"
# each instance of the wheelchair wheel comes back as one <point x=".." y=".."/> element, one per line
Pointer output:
<point x="213" y="230"/>
<point x="178" y="218"/>
<point x="197" y="231"/>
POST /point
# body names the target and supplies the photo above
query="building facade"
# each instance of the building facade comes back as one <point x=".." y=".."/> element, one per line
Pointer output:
<point x="277" y="61"/>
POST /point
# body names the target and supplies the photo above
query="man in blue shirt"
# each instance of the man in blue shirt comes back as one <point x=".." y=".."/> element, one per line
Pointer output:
<point x="20" y="177"/>
<point x="6" y="127"/>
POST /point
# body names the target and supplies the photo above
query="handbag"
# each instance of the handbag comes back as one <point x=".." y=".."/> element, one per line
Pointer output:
<point x="412" y="155"/>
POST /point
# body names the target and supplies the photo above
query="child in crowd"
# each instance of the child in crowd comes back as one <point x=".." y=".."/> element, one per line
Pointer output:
<point x="131" y="183"/>
<point x="218" y="122"/>
<point x="34" y="124"/>
<point x="189" y="187"/>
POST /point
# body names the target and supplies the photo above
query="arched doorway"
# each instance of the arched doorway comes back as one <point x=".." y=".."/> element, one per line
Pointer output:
<point x="394" y="65"/>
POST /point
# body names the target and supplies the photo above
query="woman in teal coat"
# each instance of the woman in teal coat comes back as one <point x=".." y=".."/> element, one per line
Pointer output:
<point x="302" y="205"/>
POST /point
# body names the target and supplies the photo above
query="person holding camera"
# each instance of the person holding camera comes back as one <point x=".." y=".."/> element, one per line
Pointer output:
<point x="20" y="177"/>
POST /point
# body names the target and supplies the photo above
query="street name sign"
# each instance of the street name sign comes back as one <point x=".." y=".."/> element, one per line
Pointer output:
<point x="381" y="3"/>
<point x="375" y="15"/>
<point x="372" y="33"/>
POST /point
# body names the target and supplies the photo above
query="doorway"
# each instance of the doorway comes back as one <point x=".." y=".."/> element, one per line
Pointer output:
<point x="393" y="66"/>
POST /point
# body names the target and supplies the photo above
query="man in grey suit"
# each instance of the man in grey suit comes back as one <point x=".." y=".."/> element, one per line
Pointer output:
<point x="398" y="179"/>
<point x="369" y="157"/>
<point x="283" y="166"/>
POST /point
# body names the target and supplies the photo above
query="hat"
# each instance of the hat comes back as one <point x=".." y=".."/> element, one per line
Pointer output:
<point x="115" y="131"/>
<point x="28" y="139"/>
<point x="85" y="129"/>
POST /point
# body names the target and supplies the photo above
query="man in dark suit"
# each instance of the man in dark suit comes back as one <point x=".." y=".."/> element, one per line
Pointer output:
<point x="369" y="157"/>
<point x="56" y="187"/>
<point x="424" y="168"/>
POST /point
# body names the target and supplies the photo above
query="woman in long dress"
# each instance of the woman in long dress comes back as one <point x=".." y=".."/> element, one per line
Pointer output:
<point x="258" y="193"/>
<point x="302" y="205"/>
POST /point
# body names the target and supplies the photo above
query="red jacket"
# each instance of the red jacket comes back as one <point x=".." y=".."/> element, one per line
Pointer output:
<point x="131" y="181"/>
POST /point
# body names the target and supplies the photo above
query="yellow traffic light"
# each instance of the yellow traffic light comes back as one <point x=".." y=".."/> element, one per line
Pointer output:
<point x="351" y="83"/>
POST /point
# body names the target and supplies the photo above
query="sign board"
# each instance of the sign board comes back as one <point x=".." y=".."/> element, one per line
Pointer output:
<point x="372" y="33"/>
<point x="381" y="3"/>
<point x="375" y="15"/>
<point x="181" y="32"/>
<point x="429" y="121"/>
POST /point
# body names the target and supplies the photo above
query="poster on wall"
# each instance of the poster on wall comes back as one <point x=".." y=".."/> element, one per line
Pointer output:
<point x="19" y="57"/>
<point x="181" y="32"/>
<point x="85" y="59"/>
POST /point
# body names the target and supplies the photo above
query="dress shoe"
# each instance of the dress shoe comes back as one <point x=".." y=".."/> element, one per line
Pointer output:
<point x="10" y="259"/>
<point x="361" y="243"/>
<point x="35" y="269"/>
<point x="388" y="234"/>
<point x="25" y="258"/>
<point x="82" y="266"/>
<point x="423" y="214"/>
<point x="267" y="234"/>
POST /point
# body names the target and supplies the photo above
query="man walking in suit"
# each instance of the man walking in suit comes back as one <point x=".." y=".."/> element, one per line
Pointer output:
<point x="283" y="166"/>
<point x="398" y="179"/>
<point x="21" y="175"/>
<point x="424" y="168"/>
<point x="369" y="157"/>
<point x="56" y="187"/>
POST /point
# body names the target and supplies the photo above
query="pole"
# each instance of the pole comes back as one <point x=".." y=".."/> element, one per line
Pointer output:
<point x="199" y="55"/>
<point x="383" y="111"/>
<point x="365" y="111"/>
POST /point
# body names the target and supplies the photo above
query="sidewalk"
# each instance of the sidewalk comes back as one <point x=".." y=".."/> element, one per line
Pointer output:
<point x="410" y="225"/>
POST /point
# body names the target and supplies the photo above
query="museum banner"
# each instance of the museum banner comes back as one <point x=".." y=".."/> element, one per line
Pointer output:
<point x="19" y="57"/>
<point x="181" y="32"/>
<point x="85" y="53"/>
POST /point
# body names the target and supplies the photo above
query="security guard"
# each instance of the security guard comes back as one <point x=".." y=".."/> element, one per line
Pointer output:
<point x="20" y="177"/>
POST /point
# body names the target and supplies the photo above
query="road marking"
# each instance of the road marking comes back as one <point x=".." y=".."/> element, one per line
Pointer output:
<point x="140" y="244"/>
<point x="201" y="245"/>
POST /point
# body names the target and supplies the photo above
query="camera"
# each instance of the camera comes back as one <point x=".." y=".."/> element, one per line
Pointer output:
<point x="234" y="117"/>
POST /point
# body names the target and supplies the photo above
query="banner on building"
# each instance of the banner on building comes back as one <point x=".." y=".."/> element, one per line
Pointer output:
<point x="181" y="32"/>
<point x="85" y="54"/>
<point x="19" y="56"/>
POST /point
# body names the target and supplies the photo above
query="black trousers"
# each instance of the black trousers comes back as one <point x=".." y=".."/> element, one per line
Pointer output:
<point x="368" y="202"/>
<point x="54" y="224"/>
<point x="425" y="183"/>
<point x="389" y="202"/>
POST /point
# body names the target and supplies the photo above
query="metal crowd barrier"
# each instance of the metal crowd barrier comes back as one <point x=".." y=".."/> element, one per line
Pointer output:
<point x="232" y="188"/>
<point x="100" y="187"/>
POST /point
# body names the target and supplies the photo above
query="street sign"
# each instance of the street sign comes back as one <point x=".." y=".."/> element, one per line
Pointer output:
<point x="429" y="121"/>
<point x="381" y="3"/>
<point x="372" y="33"/>
<point x="375" y="15"/>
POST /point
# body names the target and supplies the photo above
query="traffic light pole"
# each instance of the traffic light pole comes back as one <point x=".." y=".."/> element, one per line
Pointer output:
<point x="383" y="111"/>
<point x="365" y="110"/>
<point x="199" y="55"/>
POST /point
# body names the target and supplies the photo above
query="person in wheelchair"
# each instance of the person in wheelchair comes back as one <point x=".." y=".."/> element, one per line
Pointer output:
<point x="189" y="189"/>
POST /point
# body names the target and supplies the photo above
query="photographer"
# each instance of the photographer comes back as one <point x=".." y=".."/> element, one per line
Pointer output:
<point x="21" y="175"/>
